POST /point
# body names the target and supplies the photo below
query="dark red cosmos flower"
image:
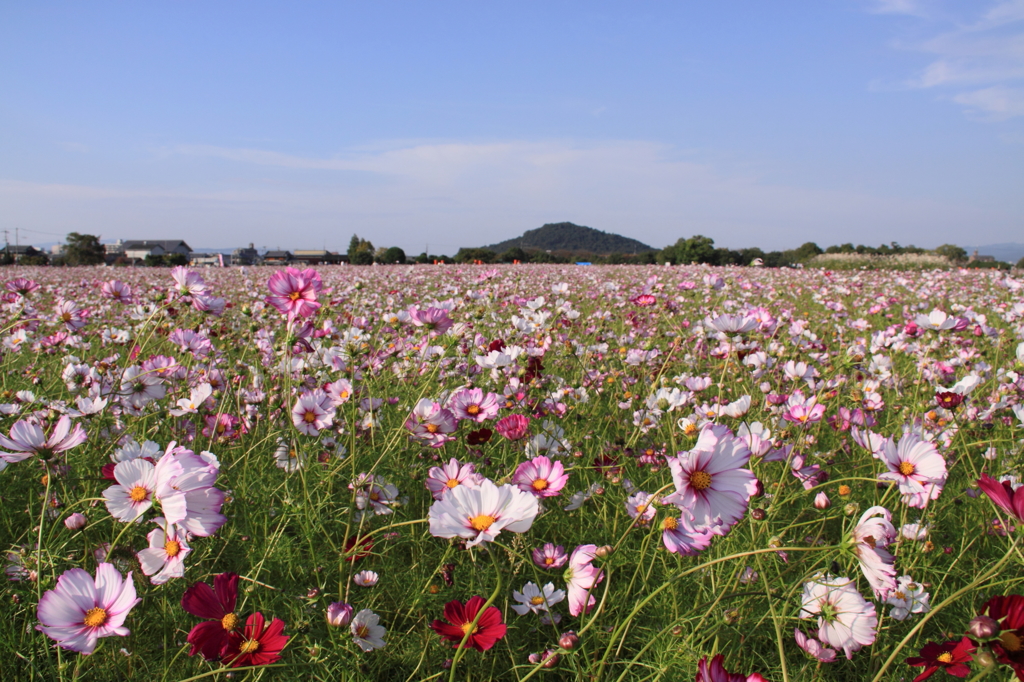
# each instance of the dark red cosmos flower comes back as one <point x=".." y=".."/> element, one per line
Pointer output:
<point x="951" y="656"/>
<point x="948" y="399"/>
<point x="1009" y="648"/>
<point x="1009" y="500"/>
<point x="496" y="344"/>
<point x="479" y="437"/>
<point x="365" y="545"/>
<point x="643" y="300"/>
<point x="482" y="636"/>
<point x="217" y="606"/>
<point x="256" y="645"/>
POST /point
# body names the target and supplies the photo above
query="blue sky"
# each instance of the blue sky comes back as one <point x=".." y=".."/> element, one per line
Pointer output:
<point x="465" y="123"/>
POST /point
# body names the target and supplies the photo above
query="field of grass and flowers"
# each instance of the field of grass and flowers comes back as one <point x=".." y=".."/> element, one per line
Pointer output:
<point x="511" y="473"/>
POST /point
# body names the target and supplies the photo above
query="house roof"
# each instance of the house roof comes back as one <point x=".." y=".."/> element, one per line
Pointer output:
<point x="277" y="254"/>
<point x="165" y="244"/>
<point x="22" y="248"/>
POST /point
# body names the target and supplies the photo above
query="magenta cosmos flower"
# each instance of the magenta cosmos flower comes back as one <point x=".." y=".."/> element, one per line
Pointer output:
<point x="28" y="439"/>
<point x="875" y="532"/>
<point x="550" y="556"/>
<point x="294" y="293"/>
<point x="712" y="486"/>
<point x="513" y="427"/>
<point x="80" y="609"/>
<point x="580" y="578"/>
<point x="117" y="290"/>
<point x="431" y="423"/>
<point x="916" y="466"/>
<point x="715" y="672"/>
<point x="541" y="477"/>
<point x="1003" y="494"/>
<point x="313" y="411"/>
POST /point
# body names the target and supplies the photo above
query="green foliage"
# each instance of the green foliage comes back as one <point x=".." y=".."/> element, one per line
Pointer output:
<point x="952" y="252"/>
<point x="472" y="255"/>
<point x="393" y="255"/>
<point x="514" y="254"/>
<point x="360" y="251"/>
<point x="83" y="249"/>
<point x="165" y="260"/>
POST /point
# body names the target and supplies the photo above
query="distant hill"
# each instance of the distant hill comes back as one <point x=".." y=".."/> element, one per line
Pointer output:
<point x="1008" y="252"/>
<point x="571" y="237"/>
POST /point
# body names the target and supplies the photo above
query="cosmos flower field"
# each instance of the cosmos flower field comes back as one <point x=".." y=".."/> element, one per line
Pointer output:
<point x="511" y="473"/>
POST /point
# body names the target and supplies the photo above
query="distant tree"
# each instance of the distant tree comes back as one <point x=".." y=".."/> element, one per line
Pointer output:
<point x="360" y="251"/>
<point x="393" y="255"/>
<point x="423" y="258"/>
<point x="1020" y="264"/>
<point x="807" y="250"/>
<point x="83" y="249"/>
<point x="952" y="252"/>
<point x="471" y="255"/>
<point x="173" y="259"/>
<point x="36" y="259"/>
<point x="748" y="255"/>
<point x="514" y="254"/>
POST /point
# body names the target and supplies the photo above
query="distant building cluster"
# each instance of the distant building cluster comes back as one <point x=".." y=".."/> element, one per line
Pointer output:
<point x="146" y="251"/>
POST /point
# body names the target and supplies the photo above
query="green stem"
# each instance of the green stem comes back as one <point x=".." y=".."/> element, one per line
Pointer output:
<point x="461" y="651"/>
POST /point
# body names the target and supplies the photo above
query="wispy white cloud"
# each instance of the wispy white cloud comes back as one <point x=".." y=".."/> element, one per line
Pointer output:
<point x="987" y="50"/>
<point x="911" y="7"/>
<point x="465" y="194"/>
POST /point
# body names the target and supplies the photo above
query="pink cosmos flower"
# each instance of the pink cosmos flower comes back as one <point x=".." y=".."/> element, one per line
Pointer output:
<point x="434" y="319"/>
<point x="117" y="290"/>
<point x="679" y="537"/>
<point x="873" y="533"/>
<point x="222" y="426"/>
<point x="431" y="423"/>
<point x="514" y="427"/>
<point x="80" y="609"/>
<point x="803" y="415"/>
<point x="339" y="391"/>
<point x="551" y="557"/>
<point x="188" y="282"/>
<point x="21" y="286"/>
<point x="294" y="293"/>
<point x="814" y="647"/>
<point x="916" y="466"/>
<point x="715" y="672"/>
<point x="165" y="557"/>
<point x="73" y="317"/>
<point x="28" y="439"/>
<point x="541" y="477"/>
<point x="313" y="411"/>
<point x="580" y="578"/>
<point x="191" y="342"/>
<point x="640" y="507"/>
<point x="712" y="487"/>
<point x="445" y="478"/>
<point x="474" y="405"/>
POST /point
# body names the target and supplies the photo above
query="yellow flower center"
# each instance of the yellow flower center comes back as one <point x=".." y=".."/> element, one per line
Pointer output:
<point x="907" y="468"/>
<point x="294" y="296"/>
<point x="548" y="560"/>
<point x="669" y="523"/>
<point x="1011" y="641"/>
<point x="900" y="595"/>
<point x="481" y="522"/>
<point x="138" y="494"/>
<point x="537" y="601"/>
<point x="690" y="430"/>
<point x="172" y="547"/>
<point x="249" y="646"/>
<point x="944" y="657"/>
<point x="433" y="428"/>
<point x="469" y="628"/>
<point x="362" y="631"/>
<point x="309" y="417"/>
<point x="229" y="622"/>
<point x="701" y="480"/>
<point x="95" y="617"/>
<point x="539" y="484"/>
<point x="473" y="409"/>
<point x="844" y="490"/>
<point x="452" y="482"/>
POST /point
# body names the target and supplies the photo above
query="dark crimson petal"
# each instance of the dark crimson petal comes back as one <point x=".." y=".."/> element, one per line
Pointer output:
<point x="254" y="626"/>
<point x="473" y="606"/>
<point x="209" y="639"/>
<point x="455" y="613"/>
<point x="226" y="586"/>
<point x="447" y="631"/>
<point x="107" y="472"/>
<point x="273" y="638"/>
<point x="926" y="674"/>
<point x="200" y="601"/>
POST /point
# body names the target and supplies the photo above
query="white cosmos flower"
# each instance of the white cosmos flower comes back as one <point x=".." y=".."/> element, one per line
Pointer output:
<point x="845" y="618"/>
<point x="532" y="598"/>
<point x="480" y="514"/>
<point x="366" y="630"/>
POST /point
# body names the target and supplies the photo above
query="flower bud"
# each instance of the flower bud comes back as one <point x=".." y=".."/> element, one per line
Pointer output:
<point x="758" y="514"/>
<point x="550" y="659"/>
<point x="821" y="501"/>
<point x="339" y="614"/>
<point x="76" y="521"/>
<point x="603" y="551"/>
<point x="983" y="627"/>
<point x="851" y="508"/>
<point x="568" y="640"/>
